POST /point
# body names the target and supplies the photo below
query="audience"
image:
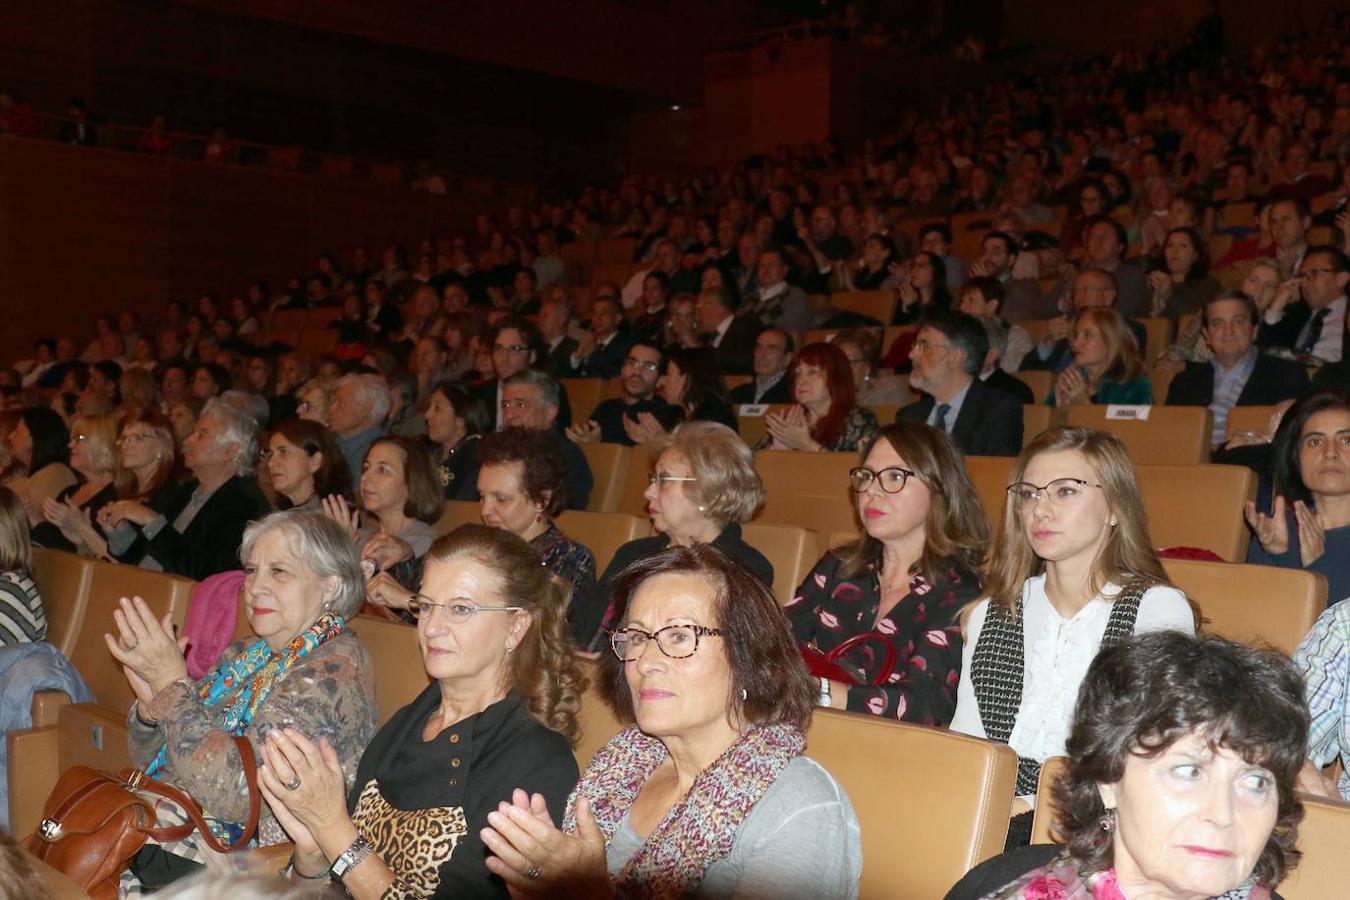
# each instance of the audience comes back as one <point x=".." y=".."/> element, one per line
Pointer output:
<point x="93" y="456"/>
<point x="1106" y="365"/>
<point x="302" y="669"/>
<point x="23" y="619"/>
<point x="825" y="416"/>
<point x="702" y="486"/>
<point x="530" y="400"/>
<point x="1308" y="312"/>
<point x="40" y="446"/>
<point x="1307" y="525"/>
<point x="901" y="585"/>
<point x="1158" y="716"/>
<point x="495" y="724"/>
<point x="456" y="420"/>
<point x="305" y="466"/>
<point x="862" y="348"/>
<point x="651" y="811"/>
<point x="772" y="359"/>
<point x="357" y="415"/>
<point x="613" y="420"/>
<point x="1071" y="569"/>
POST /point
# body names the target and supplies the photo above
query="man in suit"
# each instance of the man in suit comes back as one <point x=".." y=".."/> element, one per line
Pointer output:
<point x="1238" y="374"/>
<point x="773" y="358"/>
<point x="732" y="337"/>
<point x="948" y="354"/>
<point x="77" y="131"/>
<point x="530" y="399"/>
<point x="641" y="371"/>
<point x="515" y="348"/>
<point x="601" y="351"/>
<point x="558" y="346"/>
<point x="200" y="532"/>
<point x="776" y="302"/>
<point x="1314" y="325"/>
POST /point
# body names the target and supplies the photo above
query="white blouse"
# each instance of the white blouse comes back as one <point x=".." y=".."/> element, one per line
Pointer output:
<point x="1058" y="653"/>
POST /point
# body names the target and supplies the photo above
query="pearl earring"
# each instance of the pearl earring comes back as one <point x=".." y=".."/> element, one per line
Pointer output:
<point x="744" y="695"/>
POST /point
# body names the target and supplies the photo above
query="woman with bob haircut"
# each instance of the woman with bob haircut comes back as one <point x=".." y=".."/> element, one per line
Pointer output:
<point x="93" y="456"/>
<point x="399" y="491"/>
<point x="305" y="465"/>
<point x="1107" y="367"/>
<point x="40" y="444"/>
<point x="456" y="419"/>
<point x="708" y="794"/>
<point x="1182" y="766"/>
<point x="1308" y="526"/>
<point x="497" y="722"/>
<point x="702" y="486"/>
<point x="301" y="668"/>
<point x="23" y="619"/>
<point x="826" y="416"/>
<point x="903" y="582"/>
<point x="1072" y="569"/>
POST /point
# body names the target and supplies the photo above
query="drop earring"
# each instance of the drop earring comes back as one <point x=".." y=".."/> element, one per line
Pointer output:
<point x="1108" y="821"/>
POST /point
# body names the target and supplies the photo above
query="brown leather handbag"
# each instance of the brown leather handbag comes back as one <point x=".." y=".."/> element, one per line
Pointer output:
<point x="94" y="822"/>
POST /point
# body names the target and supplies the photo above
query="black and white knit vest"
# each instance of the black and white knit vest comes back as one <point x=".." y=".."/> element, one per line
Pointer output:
<point x="999" y="662"/>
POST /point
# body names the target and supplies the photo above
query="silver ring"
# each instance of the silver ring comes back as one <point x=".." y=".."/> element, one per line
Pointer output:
<point x="534" y="871"/>
<point x="293" y="784"/>
<point x="132" y="646"/>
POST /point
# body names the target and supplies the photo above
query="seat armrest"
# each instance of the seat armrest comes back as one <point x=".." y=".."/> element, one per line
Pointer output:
<point x="34" y="767"/>
<point x="47" y="707"/>
<point x="93" y="736"/>
<point x="268" y="860"/>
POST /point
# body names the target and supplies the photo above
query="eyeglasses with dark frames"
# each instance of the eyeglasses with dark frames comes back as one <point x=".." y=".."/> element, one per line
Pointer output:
<point x="675" y="641"/>
<point x="892" y="478"/>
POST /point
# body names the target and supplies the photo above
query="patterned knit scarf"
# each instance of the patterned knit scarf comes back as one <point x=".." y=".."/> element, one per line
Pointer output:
<point x="697" y="831"/>
<point x="257" y="669"/>
<point x="1062" y="879"/>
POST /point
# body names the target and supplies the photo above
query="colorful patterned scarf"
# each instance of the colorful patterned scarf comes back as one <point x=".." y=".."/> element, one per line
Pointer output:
<point x="257" y="669"/>
<point x="1062" y="879"/>
<point x="699" y="830"/>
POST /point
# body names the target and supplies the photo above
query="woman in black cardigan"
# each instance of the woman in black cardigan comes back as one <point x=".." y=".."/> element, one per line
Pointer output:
<point x="703" y="485"/>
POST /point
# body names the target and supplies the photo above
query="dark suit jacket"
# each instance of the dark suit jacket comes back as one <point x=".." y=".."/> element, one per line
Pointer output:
<point x="487" y="390"/>
<point x="558" y="361"/>
<point x="577" y="470"/>
<point x="736" y="353"/>
<point x="1284" y="333"/>
<point x="1012" y="385"/>
<point x="781" y="392"/>
<point x="1272" y="380"/>
<point x="989" y="424"/>
<point x="211" y="542"/>
<point x="606" y="361"/>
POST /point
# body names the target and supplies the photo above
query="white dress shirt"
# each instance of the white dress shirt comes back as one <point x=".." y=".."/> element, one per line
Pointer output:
<point x="1058" y="652"/>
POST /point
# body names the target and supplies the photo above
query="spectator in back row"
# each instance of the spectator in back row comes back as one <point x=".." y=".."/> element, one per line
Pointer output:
<point x="357" y="416"/>
<point x="1315" y="324"/>
<point x="825" y="417"/>
<point x="948" y="354"/>
<point x="772" y="359"/>
<point x="530" y="400"/>
<point x="1106" y="364"/>
<point x="730" y="335"/>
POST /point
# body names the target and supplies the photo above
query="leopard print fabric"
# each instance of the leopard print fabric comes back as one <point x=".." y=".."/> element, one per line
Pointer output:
<point x="414" y="844"/>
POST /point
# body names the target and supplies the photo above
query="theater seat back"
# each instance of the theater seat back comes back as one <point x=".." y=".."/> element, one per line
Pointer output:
<point x="631" y="500"/>
<point x="809" y="490"/>
<point x="602" y="533"/>
<point x="990" y="476"/>
<point x="598" y="722"/>
<point x="1198" y="506"/>
<point x="457" y="513"/>
<point x="397" y="659"/>
<point x="942" y="797"/>
<point x="1252" y="604"/>
<point x="1324" y="837"/>
<point x="1170" y="434"/>
<point x="792" y="550"/>
<point x="63" y="580"/>
<point x="609" y="466"/>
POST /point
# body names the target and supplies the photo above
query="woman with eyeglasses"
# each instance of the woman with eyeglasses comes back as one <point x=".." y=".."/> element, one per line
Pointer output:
<point x="879" y="617"/>
<point x="93" y="456"/>
<point x="703" y="485"/>
<point x="497" y="723"/>
<point x="708" y="794"/>
<point x="1072" y="569"/>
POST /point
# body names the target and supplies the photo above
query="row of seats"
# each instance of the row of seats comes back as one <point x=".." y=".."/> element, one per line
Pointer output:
<point x="965" y="785"/>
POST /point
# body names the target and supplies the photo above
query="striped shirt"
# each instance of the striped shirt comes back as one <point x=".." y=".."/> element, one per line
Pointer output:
<point x="22" y="620"/>
<point x="1324" y="661"/>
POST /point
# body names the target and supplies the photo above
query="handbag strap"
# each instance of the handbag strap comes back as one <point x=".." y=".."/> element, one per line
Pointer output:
<point x="137" y="780"/>
<point x="888" y="659"/>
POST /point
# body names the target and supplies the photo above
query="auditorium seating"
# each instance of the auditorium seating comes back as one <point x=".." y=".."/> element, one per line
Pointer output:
<point x="807" y="489"/>
<point x="1198" y="506"/>
<point x="752" y="426"/>
<point x="631" y="500"/>
<point x="584" y="395"/>
<point x="1253" y="604"/>
<point x="609" y="467"/>
<point x="1323" y="836"/>
<point x="1248" y="418"/>
<point x="880" y="305"/>
<point x="397" y="659"/>
<point x="603" y="533"/>
<point x="1040" y="381"/>
<point x="457" y="513"/>
<point x="63" y="579"/>
<point x="1158" y="335"/>
<point x="1169" y="434"/>
<point x="1036" y="418"/>
<point x="791" y="549"/>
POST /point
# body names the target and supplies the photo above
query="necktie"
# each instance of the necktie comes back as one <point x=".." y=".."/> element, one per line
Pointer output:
<point x="1314" y="330"/>
<point x="942" y="410"/>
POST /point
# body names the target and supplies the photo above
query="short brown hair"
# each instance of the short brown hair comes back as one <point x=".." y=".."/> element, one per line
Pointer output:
<point x="543" y="668"/>
<point x="728" y="486"/>
<point x="426" y="497"/>
<point x="761" y="651"/>
<point x="543" y="473"/>
<point x="332" y="476"/>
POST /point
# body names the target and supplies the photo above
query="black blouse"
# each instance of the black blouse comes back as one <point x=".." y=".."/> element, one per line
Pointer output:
<point x="423" y="803"/>
<point x="923" y="628"/>
<point x="593" y="616"/>
<point x="45" y="534"/>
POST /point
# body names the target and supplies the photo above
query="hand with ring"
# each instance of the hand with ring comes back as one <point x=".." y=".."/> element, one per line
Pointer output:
<point x="151" y="657"/>
<point x="534" y="857"/>
<point x="303" y="784"/>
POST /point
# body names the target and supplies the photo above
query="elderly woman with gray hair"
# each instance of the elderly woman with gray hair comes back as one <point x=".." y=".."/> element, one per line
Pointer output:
<point x="198" y="533"/>
<point x="302" y="668"/>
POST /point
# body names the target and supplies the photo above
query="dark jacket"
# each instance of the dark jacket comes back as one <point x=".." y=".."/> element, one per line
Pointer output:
<point x="1011" y="384"/>
<point x="989" y="424"/>
<point x="1272" y="380"/>
<point x="579" y="479"/>
<point x="606" y="361"/>
<point x="1062" y="354"/>
<point x="558" y="361"/>
<point x="781" y="392"/>
<point x="592" y="616"/>
<point x="736" y="352"/>
<point x="1285" y="332"/>
<point x="211" y="542"/>
<point x="609" y="415"/>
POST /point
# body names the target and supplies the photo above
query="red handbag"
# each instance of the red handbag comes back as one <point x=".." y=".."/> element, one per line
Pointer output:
<point x="832" y="666"/>
<point x="94" y="822"/>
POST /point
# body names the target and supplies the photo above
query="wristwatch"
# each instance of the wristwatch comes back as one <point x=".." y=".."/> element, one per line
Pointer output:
<point x="824" y="699"/>
<point x="352" y="857"/>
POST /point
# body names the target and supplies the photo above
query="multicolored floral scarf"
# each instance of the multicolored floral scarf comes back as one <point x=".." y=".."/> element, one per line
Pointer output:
<point x="1062" y="879"/>
<point x="257" y="669"/>
<point x="697" y="831"/>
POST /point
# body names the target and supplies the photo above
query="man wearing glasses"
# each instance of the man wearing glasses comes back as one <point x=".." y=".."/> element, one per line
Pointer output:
<point x="1315" y="324"/>
<point x="514" y="342"/>
<point x="641" y="371"/>
<point x="530" y="399"/>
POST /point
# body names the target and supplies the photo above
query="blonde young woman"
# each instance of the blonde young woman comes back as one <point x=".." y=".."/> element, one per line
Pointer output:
<point x="1106" y="367"/>
<point x="1072" y="569"/>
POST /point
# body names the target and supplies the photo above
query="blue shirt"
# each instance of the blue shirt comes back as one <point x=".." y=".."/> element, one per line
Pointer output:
<point x="1228" y="385"/>
<point x="354" y="451"/>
